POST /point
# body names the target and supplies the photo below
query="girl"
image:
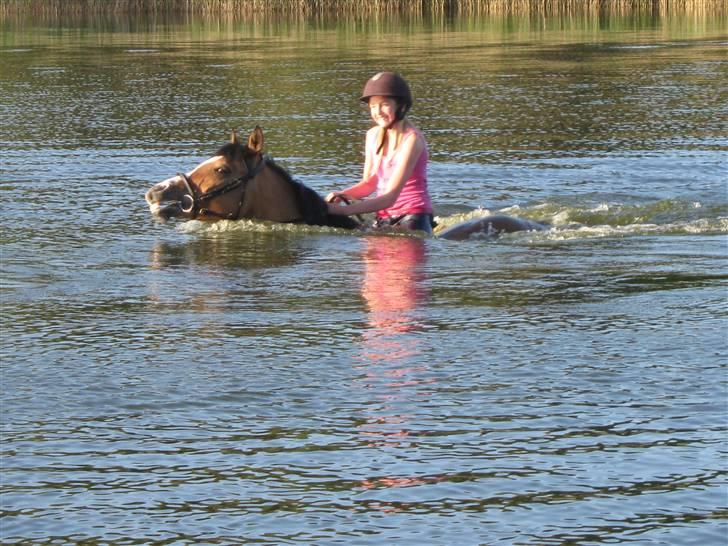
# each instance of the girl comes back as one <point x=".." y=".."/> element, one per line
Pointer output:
<point x="396" y="162"/>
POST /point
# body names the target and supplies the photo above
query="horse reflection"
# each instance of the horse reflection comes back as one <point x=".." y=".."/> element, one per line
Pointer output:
<point x="234" y="251"/>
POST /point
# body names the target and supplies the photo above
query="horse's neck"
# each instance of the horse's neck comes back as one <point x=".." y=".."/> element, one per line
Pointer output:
<point x="269" y="197"/>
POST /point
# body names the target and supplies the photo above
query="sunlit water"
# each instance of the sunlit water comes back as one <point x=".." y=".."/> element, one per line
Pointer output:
<point x="254" y="383"/>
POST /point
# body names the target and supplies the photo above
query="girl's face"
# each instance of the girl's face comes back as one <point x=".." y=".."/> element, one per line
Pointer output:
<point x="383" y="110"/>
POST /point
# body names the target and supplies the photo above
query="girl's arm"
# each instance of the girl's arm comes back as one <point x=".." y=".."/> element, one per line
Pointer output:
<point x="411" y="150"/>
<point x="357" y="191"/>
<point x="368" y="182"/>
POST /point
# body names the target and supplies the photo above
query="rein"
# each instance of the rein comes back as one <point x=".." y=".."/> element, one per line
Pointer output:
<point x="195" y="200"/>
<point x="359" y="217"/>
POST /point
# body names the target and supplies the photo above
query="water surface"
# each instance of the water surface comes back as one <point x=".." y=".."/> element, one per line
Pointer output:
<point x="255" y="383"/>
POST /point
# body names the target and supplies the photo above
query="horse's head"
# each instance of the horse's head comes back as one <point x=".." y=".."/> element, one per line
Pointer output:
<point x="213" y="189"/>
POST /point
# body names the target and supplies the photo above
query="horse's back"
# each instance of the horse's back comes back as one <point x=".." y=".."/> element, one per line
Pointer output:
<point x="278" y="197"/>
<point x="490" y="226"/>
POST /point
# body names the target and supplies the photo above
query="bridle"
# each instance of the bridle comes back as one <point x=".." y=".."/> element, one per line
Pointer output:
<point x="192" y="202"/>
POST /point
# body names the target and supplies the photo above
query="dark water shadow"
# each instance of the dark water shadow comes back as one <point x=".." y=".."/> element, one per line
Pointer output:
<point x="240" y="250"/>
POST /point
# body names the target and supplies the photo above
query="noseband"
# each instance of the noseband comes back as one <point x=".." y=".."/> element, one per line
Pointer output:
<point x="195" y="200"/>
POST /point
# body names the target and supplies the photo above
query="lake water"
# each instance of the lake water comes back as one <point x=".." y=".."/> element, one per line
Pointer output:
<point x="266" y="384"/>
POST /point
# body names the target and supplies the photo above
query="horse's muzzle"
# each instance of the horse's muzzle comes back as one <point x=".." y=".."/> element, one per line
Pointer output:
<point x="169" y="199"/>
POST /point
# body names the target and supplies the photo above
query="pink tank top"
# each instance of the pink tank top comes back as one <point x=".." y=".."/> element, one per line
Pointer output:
<point x="414" y="197"/>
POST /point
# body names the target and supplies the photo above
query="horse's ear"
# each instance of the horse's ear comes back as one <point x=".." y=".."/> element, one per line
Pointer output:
<point x="255" y="140"/>
<point x="235" y="138"/>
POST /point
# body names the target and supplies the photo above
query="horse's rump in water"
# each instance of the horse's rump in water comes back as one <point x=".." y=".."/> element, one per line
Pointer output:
<point x="490" y="226"/>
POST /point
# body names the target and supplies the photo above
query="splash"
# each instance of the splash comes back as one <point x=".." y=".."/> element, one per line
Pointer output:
<point x="602" y="219"/>
<point x="568" y="221"/>
<point x="696" y="227"/>
<point x="254" y="226"/>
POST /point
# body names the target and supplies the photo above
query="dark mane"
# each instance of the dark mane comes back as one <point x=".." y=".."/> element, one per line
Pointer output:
<point x="312" y="205"/>
<point x="281" y="171"/>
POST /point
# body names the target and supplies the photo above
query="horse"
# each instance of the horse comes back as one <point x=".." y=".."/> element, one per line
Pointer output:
<point x="240" y="181"/>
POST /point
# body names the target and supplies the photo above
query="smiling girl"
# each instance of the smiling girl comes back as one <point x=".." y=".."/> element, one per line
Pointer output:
<point x="396" y="162"/>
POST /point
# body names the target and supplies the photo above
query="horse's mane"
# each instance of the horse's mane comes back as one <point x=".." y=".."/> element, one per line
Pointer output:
<point x="313" y="207"/>
<point x="311" y="204"/>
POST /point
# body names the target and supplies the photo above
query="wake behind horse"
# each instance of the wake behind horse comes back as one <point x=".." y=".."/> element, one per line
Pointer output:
<point x="240" y="181"/>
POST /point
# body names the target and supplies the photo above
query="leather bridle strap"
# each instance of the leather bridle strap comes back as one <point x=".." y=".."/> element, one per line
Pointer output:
<point x="199" y="199"/>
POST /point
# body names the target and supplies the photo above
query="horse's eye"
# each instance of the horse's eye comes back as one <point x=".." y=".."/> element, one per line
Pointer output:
<point x="223" y="170"/>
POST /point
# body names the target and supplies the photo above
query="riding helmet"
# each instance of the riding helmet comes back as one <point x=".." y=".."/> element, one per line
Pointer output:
<point x="389" y="84"/>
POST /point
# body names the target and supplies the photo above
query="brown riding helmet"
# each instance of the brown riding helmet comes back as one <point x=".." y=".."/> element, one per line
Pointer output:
<point x="389" y="84"/>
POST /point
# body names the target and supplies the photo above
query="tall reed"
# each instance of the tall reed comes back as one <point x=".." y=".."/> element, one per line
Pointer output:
<point x="363" y="7"/>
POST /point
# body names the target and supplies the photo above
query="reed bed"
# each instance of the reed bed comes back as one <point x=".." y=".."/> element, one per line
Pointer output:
<point x="363" y="7"/>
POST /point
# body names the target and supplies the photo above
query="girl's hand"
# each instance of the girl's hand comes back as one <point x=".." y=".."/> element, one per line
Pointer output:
<point x="336" y="197"/>
<point x="332" y="197"/>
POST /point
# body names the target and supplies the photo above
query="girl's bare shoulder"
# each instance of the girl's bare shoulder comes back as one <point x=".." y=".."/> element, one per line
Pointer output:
<point x="414" y="137"/>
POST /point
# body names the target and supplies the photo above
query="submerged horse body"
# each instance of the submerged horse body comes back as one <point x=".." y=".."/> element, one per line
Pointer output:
<point x="239" y="181"/>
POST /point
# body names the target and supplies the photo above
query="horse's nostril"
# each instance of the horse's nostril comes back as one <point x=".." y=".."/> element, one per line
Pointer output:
<point x="187" y="203"/>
